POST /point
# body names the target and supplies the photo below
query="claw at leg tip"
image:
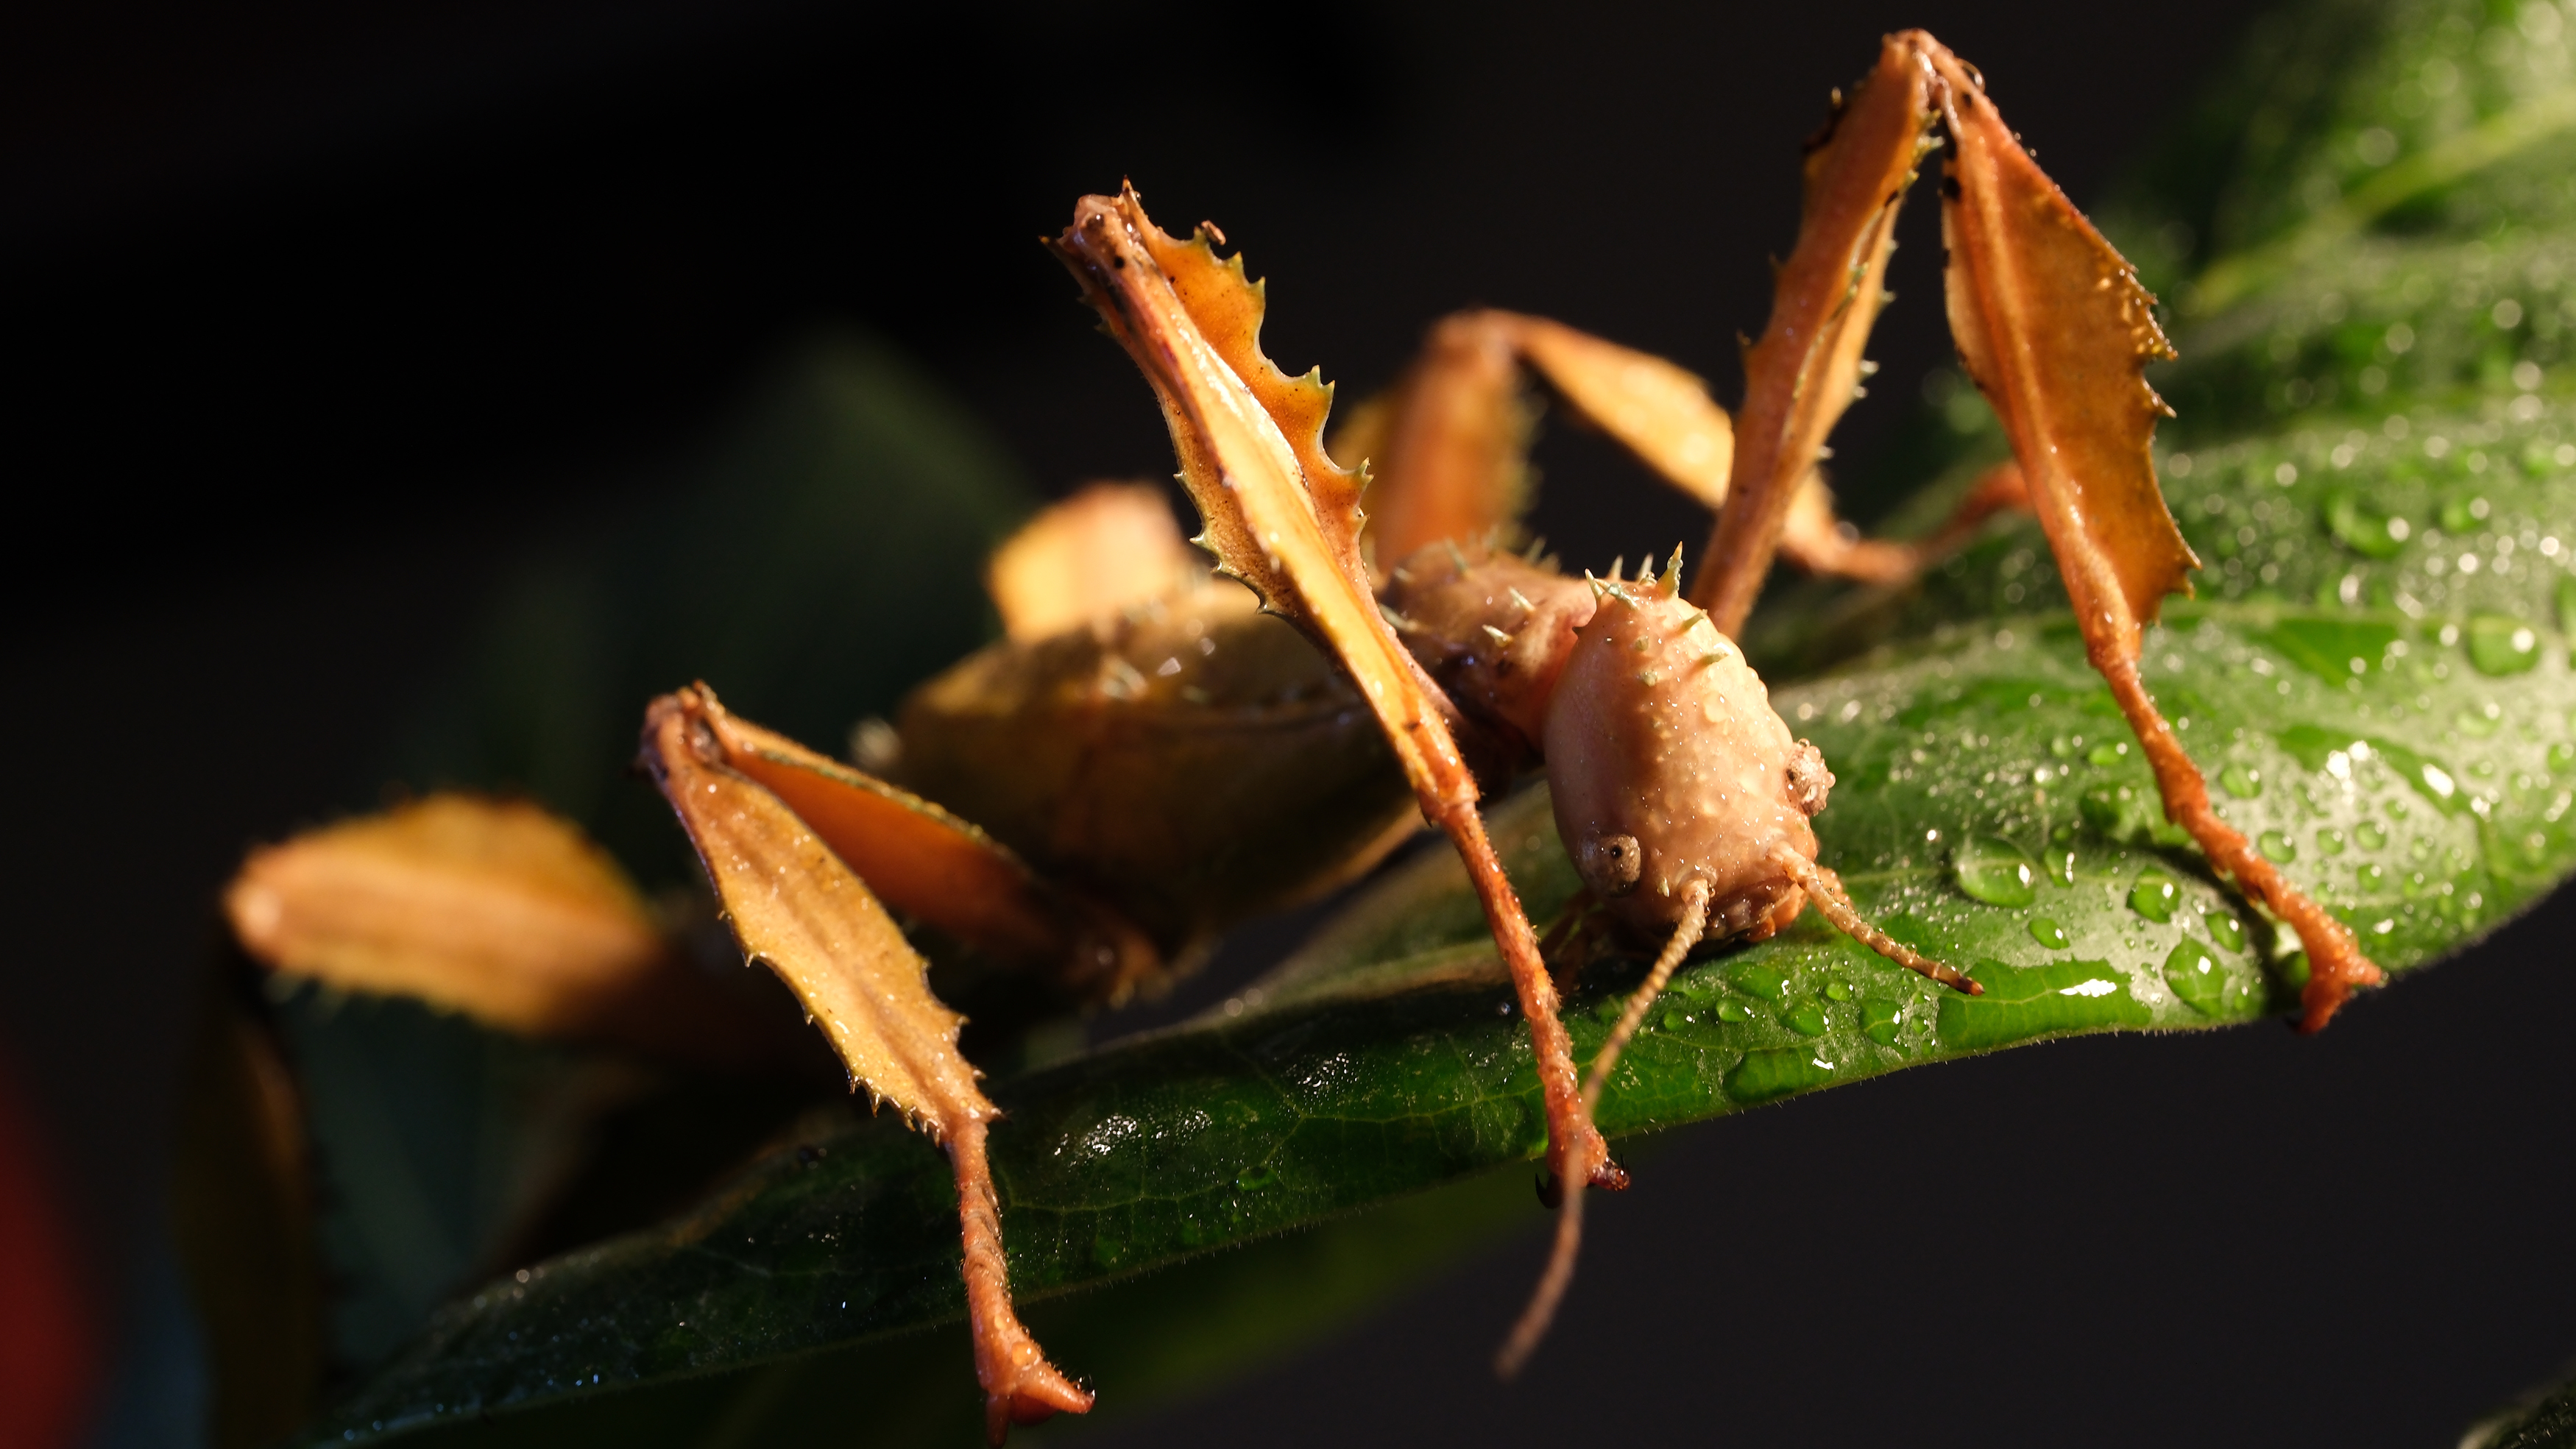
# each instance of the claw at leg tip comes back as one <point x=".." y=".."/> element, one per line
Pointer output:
<point x="1041" y="1394"/>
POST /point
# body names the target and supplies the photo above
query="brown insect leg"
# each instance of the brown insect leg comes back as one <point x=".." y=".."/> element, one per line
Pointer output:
<point x="1685" y="935"/>
<point x="1576" y="1153"/>
<point x="1567" y="946"/>
<point x="1825" y="889"/>
<point x="1804" y="371"/>
<point x="2336" y="965"/>
<point x="1559" y="1275"/>
<point x="2052" y="323"/>
<point x="1814" y="538"/>
<point x="1020" y="1386"/>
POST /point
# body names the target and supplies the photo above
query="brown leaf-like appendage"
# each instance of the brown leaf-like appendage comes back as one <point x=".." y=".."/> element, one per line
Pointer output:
<point x="1807" y="366"/>
<point x="1656" y="409"/>
<point x="796" y="906"/>
<point x="935" y="867"/>
<point x="1284" y="517"/>
<point x="2051" y="322"/>
<point x="2053" y="326"/>
<point x="1108" y="547"/>
<point x="1803" y="372"/>
<point x="493" y="908"/>
<point x="1279" y="513"/>
<point x="1446" y="449"/>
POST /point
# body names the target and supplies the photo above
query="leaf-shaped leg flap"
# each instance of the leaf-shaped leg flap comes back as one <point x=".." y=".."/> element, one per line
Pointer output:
<point x="496" y="909"/>
<point x="1807" y="366"/>
<point x="1283" y="517"/>
<point x="936" y="867"/>
<point x="1666" y="419"/>
<point x="797" y="907"/>
<point x="1447" y="448"/>
<point x="2052" y="324"/>
<point x="1106" y="548"/>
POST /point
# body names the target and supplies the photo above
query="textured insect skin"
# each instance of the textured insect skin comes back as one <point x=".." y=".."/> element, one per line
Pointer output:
<point x="1671" y="770"/>
<point x="1665" y="758"/>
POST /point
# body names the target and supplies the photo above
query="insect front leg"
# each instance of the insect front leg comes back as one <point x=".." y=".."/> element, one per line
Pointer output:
<point x="1284" y="518"/>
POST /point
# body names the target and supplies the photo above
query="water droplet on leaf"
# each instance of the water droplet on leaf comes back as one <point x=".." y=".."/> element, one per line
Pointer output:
<point x="1996" y="872"/>
<point x="2501" y="644"/>
<point x="2154" y="896"/>
<point x="2194" y="975"/>
<point x="2243" y="783"/>
<point x="2050" y="934"/>
<point x="2226" y="932"/>
<point x="1879" y="1021"/>
<point x="1763" y="981"/>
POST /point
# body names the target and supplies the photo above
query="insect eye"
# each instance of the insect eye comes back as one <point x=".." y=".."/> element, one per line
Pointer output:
<point x="1610" y="864"/>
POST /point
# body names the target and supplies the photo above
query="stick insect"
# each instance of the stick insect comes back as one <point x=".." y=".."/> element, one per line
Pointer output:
<point x="1435" y="665"/>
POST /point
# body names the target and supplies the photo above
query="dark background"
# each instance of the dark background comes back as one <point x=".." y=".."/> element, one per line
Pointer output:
<point x="313" y="314"/>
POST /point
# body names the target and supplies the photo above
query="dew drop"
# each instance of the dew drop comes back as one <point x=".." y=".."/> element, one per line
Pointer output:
<point x="1996" y="872"/>
<point x="2363" y="529"/>
<point x="2154" y="896"/>
<point x="2050" y="934"/>
<point x="1837" y="990"/>
<point x="1733" y="1010"/>
<point x="2370" y="835"/>
<point x="2501" y="644"/>
<point x="1808" y="1019"/>
<point x="2061" y="865"/>
<point x="1879" y="1021"/>
<point x="2108" y="754"/>
<point x="2330" y="841"/>
<point x="2194" y="975"/>
<point x="2241" y="782"/>
<point x="2277" y="847"/>
<point x="2226" y="931"/>
<point x="1765" y="981"/>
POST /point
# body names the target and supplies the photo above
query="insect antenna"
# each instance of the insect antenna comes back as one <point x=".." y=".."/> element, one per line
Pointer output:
<point x="1569" y="1215"/>
<point x="1825" y="890"/>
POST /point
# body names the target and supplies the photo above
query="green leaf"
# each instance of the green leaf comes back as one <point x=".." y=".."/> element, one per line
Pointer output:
<point x="2546" y="1421"/>
<point x="2375" y="675"/>
<point x="1350" y="1081"/>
